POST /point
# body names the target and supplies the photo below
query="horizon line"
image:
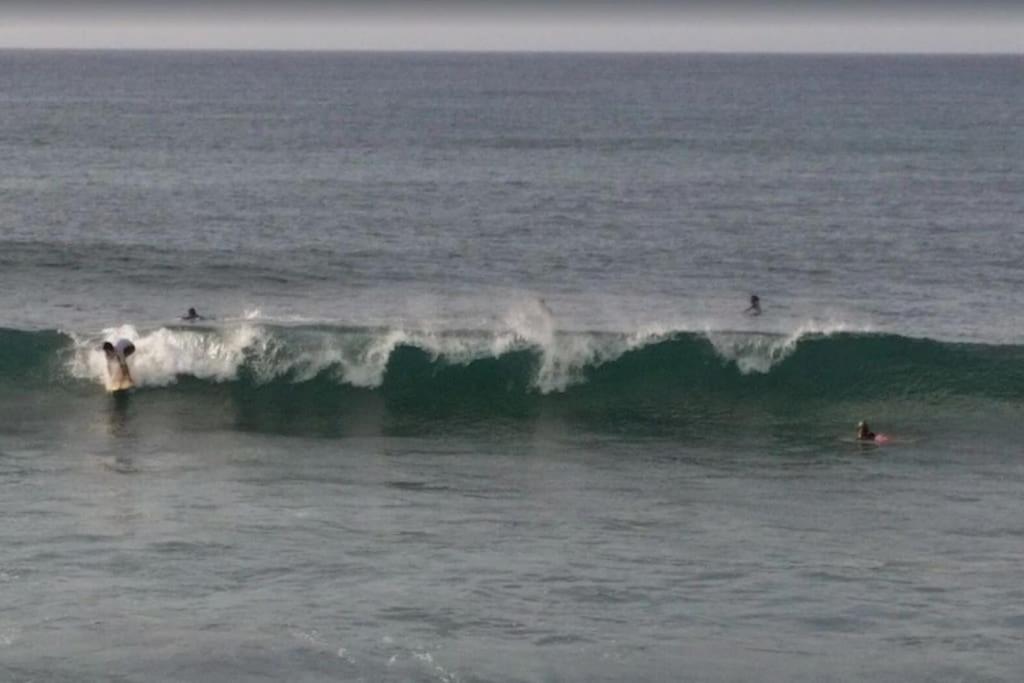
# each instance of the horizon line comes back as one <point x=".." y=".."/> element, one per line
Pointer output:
<point x="506" y="51"/>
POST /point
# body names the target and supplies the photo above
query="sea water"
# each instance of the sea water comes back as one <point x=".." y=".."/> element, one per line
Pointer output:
<point x="475" y="398"/>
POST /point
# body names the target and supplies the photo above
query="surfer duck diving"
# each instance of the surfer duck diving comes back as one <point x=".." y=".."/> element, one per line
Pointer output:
<point x="119" y="377"/>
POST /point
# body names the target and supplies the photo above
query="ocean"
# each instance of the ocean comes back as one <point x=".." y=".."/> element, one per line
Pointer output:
<point x="475" y="397"/>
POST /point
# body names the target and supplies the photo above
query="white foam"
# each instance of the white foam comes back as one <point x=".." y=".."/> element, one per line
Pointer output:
<point x="360" y="356"/>
<point x="164" y="354"/>
<point x="365" y="366"/>
<point x="754" y="352"/>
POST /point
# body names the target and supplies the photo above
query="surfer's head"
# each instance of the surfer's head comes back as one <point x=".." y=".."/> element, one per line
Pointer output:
<point x="192" y="313"/>
<point x="863" y="431"/>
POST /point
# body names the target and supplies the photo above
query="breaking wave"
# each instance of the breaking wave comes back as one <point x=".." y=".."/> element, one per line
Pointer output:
<point x="527" y="360"/>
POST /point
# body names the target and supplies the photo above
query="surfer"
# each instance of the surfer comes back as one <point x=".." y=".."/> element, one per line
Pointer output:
<point x="864" y="432"/>
<point x="117" y="363"/>
<point x="755" y="305"/>
<point x="192" y="316"/>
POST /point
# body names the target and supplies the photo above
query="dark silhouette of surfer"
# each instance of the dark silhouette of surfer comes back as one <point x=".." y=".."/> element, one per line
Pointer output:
<point x="864" y="432"/>
<point x="192" y="316"/>
<point x="755" y="305"/>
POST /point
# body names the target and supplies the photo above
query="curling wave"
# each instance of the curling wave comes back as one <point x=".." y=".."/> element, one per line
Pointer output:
<point x="491" y="367"/>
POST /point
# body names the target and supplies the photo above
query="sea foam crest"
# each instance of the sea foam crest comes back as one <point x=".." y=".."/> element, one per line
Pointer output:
<point x="754" y="352"/>
<point x="360" y="356"/>
<point x="162" y="355"/>
<point x="564" y="357"/>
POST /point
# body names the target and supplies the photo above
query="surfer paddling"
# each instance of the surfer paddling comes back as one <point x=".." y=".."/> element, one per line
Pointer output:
<point x="864" y="432"/>
<point x="192" y="316"/>
<point x="119" y="377"/>
<point x="865" y="435"/>
<point x="755" y="305"/>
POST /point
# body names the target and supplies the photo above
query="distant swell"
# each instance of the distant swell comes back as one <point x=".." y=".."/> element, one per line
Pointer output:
<point x="509" y="372"/>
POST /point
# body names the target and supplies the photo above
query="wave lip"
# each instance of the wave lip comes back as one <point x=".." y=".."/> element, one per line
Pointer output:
<point x="359" y="357"/>
<point x="365" y="357"/>
<point x="531" y="359"/>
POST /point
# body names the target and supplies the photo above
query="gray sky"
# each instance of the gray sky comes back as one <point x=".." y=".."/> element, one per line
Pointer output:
<point x="601" y="25"/>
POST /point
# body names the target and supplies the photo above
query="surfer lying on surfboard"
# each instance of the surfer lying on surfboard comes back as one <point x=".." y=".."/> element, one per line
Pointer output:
<point x="118" y="374"/>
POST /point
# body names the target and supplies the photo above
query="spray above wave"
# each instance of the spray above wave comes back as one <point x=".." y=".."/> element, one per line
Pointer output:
<point x="365" y="357"/>
<point x="530" y="359"/>
<point x="357" y="357"/>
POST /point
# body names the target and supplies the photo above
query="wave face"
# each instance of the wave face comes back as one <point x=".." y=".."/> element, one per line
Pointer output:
<point x="519" y="370"/>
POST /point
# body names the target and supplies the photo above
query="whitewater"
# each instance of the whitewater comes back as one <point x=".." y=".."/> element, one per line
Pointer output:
<point x="261" y="353"/>
<point x="359" y="357"/>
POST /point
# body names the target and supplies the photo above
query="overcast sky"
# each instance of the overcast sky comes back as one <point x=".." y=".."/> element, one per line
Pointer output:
<point x="598" y="25"/>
